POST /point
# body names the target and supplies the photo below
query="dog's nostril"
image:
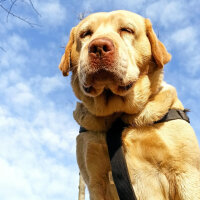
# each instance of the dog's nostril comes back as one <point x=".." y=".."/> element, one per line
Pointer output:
<point x="93" y="49"/>
<point x="101" y="46"/>
<point x="105" y="48"/>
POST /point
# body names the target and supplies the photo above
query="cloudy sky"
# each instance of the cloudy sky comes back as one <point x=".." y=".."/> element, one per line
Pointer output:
<point x="37" y="131"/>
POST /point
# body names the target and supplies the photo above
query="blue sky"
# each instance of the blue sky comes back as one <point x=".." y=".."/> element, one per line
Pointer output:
<point x="37" y="131"/>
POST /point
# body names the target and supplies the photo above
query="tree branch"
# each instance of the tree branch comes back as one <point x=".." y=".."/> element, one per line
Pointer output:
<point x="33" y="7"/>
<point x="13" y="2"/>
<point x="82" y="15"/>
<point x="16" y="16"/>
<point x="2" y="49"/>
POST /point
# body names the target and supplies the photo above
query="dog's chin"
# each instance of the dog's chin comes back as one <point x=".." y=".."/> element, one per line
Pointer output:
<point x="111" y="89"/>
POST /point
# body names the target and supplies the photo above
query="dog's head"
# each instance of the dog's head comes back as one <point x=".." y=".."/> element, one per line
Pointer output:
<point x="116" y="62"/>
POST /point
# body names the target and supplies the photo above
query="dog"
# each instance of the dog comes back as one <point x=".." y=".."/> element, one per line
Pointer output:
<point x="117" y="64"/>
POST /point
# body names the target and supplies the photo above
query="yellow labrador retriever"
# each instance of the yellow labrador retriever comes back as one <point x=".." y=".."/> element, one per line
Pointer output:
<point x="117" y="72"/>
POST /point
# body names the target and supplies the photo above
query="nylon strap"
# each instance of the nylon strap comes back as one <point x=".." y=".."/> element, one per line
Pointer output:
<point x="117" y="160"/>
<point x="118" y="163"/>
<point x="174" y="114"/>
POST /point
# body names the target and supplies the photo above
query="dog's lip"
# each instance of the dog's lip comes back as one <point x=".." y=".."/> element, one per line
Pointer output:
<point x="88" y="89"/>
<point x="125" y="87"/>
<point x="121" y="88"/>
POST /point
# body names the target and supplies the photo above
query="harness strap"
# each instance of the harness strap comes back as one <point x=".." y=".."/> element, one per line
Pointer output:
<point x="175" y="114"/>
<point x="118" y="163"/>
<point x="82" y="129"/>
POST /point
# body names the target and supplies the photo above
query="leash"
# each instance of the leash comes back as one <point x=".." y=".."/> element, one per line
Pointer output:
<point x="119" y="168"/>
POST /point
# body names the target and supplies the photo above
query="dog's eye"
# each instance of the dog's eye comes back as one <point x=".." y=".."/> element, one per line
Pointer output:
<point x="86" y="33"/>
<point x="128" y="30"/>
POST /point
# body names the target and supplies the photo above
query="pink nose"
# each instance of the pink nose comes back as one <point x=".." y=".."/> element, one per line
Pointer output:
<point x="101" y="47"/>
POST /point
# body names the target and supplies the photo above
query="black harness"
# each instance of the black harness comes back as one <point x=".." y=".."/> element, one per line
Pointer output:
<point x="117" y="160"/>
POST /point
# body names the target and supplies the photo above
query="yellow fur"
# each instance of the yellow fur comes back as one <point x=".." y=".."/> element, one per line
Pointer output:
<point x="163" y="159"/>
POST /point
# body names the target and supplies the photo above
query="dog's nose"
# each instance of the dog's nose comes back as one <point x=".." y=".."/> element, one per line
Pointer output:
<point x="101" y="47"/>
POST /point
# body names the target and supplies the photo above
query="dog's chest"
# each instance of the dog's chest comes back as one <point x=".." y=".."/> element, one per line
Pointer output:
<point x="145" y="155"/>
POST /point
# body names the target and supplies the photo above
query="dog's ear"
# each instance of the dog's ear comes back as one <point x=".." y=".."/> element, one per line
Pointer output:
<point x="65" y="62"/>
<point x="159" y="52"/>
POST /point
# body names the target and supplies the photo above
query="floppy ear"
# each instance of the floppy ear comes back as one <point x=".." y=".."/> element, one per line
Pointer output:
<point x="65" y="62"/>
<point x="158" y="49"/>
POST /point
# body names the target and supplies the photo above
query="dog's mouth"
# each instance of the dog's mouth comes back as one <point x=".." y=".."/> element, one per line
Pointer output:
<point x="126" y="87"/>
<point x="88" y="89"/>
<point x="120" y="90"/>
<point x="96" y="82"/>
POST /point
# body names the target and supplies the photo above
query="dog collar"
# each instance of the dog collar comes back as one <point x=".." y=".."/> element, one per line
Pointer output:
<point x="172" y="114"/>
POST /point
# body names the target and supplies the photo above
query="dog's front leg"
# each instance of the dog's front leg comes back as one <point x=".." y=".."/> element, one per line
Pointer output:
<point x="94" y="164"/>
<point x="188" y="184"/>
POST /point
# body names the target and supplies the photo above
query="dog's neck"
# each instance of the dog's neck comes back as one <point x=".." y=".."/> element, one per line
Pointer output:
<point x="155" y="108"/>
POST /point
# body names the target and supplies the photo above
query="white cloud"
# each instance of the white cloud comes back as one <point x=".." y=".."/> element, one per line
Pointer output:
<point x="184" y="36"/>
<point x="172" y="13"/>
<point x="17" y="43"/>
<point x="14" y="45"/>
<point x="20" y="94"/>
<point x="166" y="13"/>
<point x="52" y="13"/>
<point x="186" y="41"/>
<point x="49" y="84"/>
<point x="105" y="5"/>
<point x="11" y="77"/>
<point x="12" y="180"/>
<point x="37" y="137"/>
<point x="193" y="64"/>
<point x="45" y="180"/>
<point x="33" y="153"/>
